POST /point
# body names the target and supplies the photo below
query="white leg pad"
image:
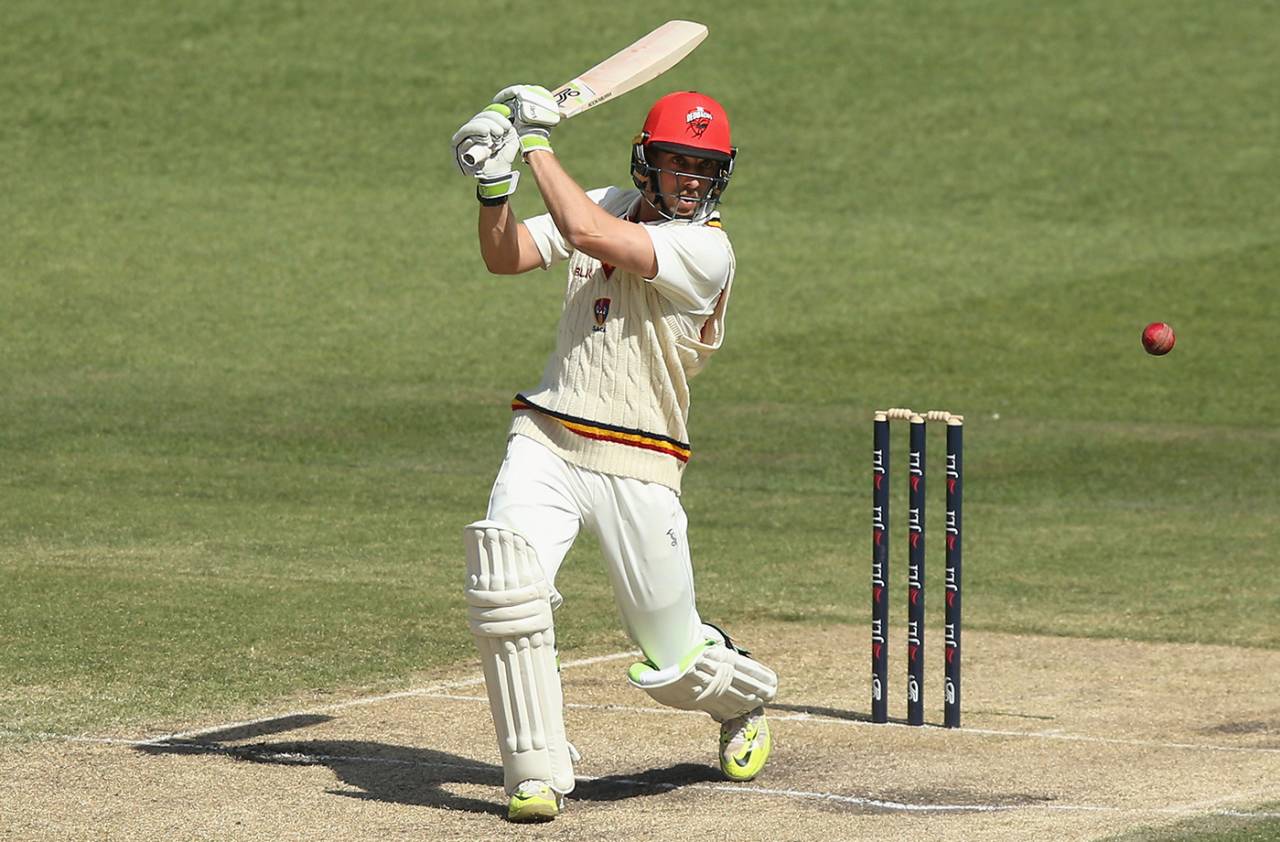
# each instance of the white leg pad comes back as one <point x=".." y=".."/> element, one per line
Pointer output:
<point x="509" y="607"/>
<point x="713" y="677"/>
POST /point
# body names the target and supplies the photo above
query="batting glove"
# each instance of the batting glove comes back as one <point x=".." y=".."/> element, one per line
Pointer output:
<point x="534" y="114"/>
<point x="485" y="149"/>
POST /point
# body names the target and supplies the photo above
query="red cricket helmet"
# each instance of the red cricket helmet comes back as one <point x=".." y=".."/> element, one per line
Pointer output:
<point x="688" y="123"/>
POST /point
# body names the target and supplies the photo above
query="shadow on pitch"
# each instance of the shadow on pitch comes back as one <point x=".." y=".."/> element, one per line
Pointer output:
<point x="818" y="710"/>
<point x="404" y="775"/>
<point x="847" y="715"/>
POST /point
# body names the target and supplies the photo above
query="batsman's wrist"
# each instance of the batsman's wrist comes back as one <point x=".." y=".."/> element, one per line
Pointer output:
<point x="534" y="142"/>
<point x="494" y="190"/>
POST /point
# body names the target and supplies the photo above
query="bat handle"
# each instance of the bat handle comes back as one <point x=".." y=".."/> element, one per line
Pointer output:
<point x="476" y="154"/>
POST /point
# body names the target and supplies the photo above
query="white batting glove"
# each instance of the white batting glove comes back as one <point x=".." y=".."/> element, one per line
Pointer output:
<point x="534" y="114"/>
<point x="485" y="149"/>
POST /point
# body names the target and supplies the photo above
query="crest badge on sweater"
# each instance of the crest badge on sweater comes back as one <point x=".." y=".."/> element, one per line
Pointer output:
<point x="602" y="313"/>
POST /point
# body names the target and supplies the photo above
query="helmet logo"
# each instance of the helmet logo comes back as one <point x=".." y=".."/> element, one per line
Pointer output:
<point x="698" y="121"/>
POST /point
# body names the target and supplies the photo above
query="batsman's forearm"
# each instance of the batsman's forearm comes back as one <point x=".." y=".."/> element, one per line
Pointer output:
<point x="499" y="238"/>
<point x="578" y="218"/>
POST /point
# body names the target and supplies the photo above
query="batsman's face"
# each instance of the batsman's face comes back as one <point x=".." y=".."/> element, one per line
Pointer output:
<point x="684" y="179"/>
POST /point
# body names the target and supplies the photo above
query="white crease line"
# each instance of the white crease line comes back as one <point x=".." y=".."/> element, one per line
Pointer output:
<point x="1048" y="735"/>
<point x="453" y="697"/>
<point x="371" y="700"/>
<point x="1263" y="794"/>
<point x="734" y="789"/>
<point x="434" y="691"/>
<point x="852" y="800"/>
<point x="957" y="732"/>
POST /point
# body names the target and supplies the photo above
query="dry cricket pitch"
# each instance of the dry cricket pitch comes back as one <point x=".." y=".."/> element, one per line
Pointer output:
<point x="1063" y="739"/>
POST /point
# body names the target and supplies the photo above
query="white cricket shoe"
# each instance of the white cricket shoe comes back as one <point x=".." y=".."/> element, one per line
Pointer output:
<point x="745" y="744"/>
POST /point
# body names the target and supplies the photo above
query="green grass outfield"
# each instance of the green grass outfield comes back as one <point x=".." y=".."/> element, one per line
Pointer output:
<point x="1216" y="829"/>
<point x="254" y="377"/>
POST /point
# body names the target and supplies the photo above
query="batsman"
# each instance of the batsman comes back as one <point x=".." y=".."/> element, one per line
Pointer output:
<point x="602" y="440"/>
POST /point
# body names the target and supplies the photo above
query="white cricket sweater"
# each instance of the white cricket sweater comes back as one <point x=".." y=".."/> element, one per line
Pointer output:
<point x="614" y="395"/>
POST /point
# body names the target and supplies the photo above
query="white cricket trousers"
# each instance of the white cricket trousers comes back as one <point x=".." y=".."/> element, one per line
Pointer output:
<point x="641" y="527"/>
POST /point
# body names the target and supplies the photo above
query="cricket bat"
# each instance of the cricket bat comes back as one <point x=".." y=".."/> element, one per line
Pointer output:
<point x="624" y="71"/>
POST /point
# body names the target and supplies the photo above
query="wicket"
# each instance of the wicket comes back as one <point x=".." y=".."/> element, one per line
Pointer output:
<point x="880" y="469"/>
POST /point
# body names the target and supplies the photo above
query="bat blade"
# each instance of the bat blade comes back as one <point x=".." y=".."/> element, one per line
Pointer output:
<point x="624" y="71"/>
<point x="628" y="69"/>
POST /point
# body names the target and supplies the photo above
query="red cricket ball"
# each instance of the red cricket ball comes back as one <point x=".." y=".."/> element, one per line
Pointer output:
<point x="1158" y="339"/>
